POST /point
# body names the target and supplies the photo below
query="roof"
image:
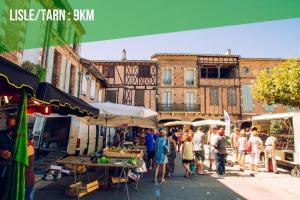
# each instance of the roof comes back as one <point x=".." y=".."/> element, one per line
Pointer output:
<point x="192" y="54"/>
<point x="93" y="70"/>
<point x="265" y="59"/>
<point x="273" y="116"/>
<point x="124" y="61"/>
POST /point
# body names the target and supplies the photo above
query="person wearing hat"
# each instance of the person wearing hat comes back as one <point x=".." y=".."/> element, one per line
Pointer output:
<point x="161" y="149"/>
<point x="233" y="142"/>
<point x="256" y="144"/>
<point x="241" y="146"/>
<point x="220" y="150"/>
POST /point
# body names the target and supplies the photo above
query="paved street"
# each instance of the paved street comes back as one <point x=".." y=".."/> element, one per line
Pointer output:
<point x="235" y="185"/>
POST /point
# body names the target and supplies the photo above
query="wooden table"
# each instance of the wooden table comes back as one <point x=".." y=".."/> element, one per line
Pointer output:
<point x="114" y="163"/>
<point x="126" y="154"/>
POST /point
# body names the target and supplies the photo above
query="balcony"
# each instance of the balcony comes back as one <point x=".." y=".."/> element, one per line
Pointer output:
<point x="178" y="108"/>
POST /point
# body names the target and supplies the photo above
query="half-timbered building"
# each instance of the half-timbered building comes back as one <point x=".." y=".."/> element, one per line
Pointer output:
<point x="130" y="82"/>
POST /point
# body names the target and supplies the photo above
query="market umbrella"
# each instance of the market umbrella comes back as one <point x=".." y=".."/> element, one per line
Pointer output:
<point x="177" y="123"/>
<point x="209" y="122"/>
<point x="19" y="157"/>
<point x="116" y="115"/>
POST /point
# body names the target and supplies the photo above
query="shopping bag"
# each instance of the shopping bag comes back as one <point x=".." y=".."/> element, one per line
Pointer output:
<point x="270" y="165"/>
<point x="248" y="147"/>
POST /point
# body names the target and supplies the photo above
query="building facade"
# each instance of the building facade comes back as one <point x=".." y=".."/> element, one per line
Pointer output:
<point x="193" y="86"/>
<point x="130" y="82"/>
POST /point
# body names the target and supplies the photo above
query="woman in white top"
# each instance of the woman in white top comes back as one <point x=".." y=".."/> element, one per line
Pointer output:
<point x="241" y="145"/>
<point x="211" y="136"/>
<point x="256" y="144"/>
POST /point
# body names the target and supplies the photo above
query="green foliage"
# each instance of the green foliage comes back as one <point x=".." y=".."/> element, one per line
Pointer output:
<point x="3" y="48"/>
<point x="37" y="70"/>
<point x="281" y="85"/>
<point x="277" y="127"/>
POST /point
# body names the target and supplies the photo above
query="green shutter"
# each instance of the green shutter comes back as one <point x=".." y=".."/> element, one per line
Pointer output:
<point x="247" y="100"/>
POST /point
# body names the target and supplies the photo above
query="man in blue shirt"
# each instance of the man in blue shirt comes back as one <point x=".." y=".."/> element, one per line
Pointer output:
<point x="150" y="148"/>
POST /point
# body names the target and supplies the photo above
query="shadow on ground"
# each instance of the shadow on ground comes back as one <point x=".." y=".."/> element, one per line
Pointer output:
<point x="175" y="188"/>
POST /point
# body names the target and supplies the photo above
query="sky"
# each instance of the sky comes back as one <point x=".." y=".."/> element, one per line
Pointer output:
<point x="275" y="39"/>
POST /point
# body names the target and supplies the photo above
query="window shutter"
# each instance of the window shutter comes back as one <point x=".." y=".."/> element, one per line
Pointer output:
<point x="76" y="82"/>
<point x="49" y="64"/>
<point x="247" y="100"/>
<point x="83" y="84"/>
<point x="92" y="89"/>
<point x="62" y="73"/>
<point x="67" y="81"/>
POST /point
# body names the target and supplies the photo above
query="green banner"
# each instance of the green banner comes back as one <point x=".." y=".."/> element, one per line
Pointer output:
<point x="40" y="23"/>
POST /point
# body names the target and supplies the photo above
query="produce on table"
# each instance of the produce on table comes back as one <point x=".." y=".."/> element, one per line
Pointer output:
<point x="132" y="161"/>
<point x="103" y="159"/>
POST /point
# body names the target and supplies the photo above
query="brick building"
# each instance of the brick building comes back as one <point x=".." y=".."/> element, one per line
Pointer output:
<point x="197" y="86"/>
<point x="130" y="82"/>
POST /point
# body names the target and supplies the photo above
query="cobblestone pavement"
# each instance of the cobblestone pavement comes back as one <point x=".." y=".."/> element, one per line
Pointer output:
<point x="234" y="185"/>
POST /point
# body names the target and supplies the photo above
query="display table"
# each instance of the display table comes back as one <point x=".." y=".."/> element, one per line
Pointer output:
<point x="114" y="163"/>
<point x="124" y="154"/>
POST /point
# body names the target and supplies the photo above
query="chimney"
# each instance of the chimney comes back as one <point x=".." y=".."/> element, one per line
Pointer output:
<point x="228" y="52"/>
<point x="123" y="55"/>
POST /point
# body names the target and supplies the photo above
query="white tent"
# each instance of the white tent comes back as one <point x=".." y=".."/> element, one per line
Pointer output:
<point x="176" y="123"/>
<point x="115" y="115"/>
<point x="209" y="122"/>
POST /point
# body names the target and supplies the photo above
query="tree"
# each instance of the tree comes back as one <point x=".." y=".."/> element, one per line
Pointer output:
<point x="3" y="48"/>
<point x="36" y="69"/>
<point x="279" y="85"/>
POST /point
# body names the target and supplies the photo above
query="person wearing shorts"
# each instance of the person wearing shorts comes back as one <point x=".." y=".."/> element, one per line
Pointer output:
<point x="187" y="156"/>
<point x="150" y="144"/>
<point x="198" y="148"/>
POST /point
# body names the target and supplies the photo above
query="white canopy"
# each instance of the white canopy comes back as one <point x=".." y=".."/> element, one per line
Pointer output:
<point x="209" y="122"/>
<point x="176" y="123"/>
<point x="115" y="115"/>
<point x="273" y="116"/>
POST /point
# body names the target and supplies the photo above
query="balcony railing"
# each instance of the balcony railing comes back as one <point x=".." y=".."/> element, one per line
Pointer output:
<point x="178" y="107"/>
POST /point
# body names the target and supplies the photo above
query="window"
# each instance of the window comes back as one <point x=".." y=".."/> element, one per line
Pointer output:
<point x="231" y="94"/>
<point x="209" y="72"/>
<point x="83" y="85"/>
<point x="111" y="96"/>
<point x="144" y="71"/>
<point x="139" y="98"/>
<point x="189" y="77"/>
<point x="214" y="96"/>
<point x="189" y="99"/>
<point x="100" y="95"/>
<point x="228" y="72"/>
<point x="108" y="71"/>
<point x="246" y="70"/>
<point x="247" y="100"/>
<point x="167" y="98"/>
<point x="93" y="89"/>
<point x="167" y="76"/>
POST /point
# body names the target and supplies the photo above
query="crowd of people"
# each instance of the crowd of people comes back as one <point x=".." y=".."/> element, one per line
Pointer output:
<point x="163" y="148"/>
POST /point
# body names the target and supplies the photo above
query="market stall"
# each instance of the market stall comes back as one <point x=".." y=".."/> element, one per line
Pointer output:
<point x="124" y="164"/>
<point x="286" y="128"/>
<point x="17" y="88"/>
<point x="117" y="115"/>
<point x="209" y="122"/>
